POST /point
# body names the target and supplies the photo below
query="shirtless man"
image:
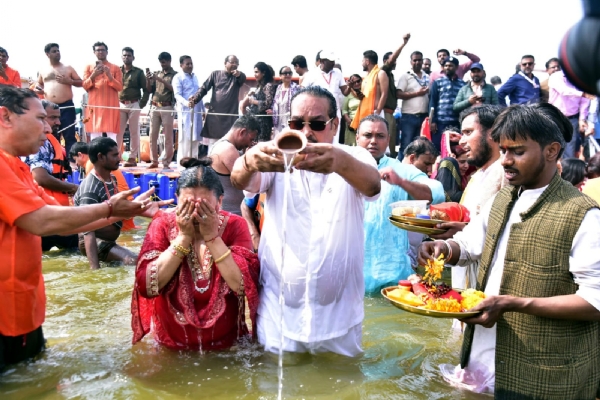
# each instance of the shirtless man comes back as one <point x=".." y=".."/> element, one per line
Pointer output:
<point x="224" y="153"/>
<point x="56" y="82"/>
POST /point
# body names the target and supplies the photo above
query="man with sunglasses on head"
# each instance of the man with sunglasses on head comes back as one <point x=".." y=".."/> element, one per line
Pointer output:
<point x="413" y="89"/>
<point x="523" y="87"/>
<point x="324" y="238"/>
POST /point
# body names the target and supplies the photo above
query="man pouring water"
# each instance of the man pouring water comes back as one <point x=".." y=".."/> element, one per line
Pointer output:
<point x="322" y="232"/>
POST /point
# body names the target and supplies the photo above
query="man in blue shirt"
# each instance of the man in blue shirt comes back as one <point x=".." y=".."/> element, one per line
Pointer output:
<point x="443" y="93"/>
<point x="386" y="247"/>
<point x="523" y="87"/>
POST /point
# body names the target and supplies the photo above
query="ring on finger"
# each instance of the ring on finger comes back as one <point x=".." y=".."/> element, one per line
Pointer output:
<point x="187" y="217"/>
<point x="204" y="216"/>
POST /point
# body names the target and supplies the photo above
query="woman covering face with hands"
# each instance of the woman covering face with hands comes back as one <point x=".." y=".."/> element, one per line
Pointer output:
<point x="195" y="267"/>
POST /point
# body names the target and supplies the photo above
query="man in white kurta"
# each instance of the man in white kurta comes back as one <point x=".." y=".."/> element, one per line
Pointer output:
<point x="321" y="271"/>
<point x="184" y="86"/>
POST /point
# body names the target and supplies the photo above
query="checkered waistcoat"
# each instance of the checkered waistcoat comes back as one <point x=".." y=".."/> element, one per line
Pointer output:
<point x="539" y="358"/>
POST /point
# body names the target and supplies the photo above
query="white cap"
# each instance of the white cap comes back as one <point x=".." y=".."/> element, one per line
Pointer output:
<point x="328" y="55"/>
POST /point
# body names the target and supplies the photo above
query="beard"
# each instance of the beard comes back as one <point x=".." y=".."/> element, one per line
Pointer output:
<point x="484" y="154"/>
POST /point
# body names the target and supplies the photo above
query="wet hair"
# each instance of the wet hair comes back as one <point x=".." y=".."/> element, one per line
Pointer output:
<point x="248" y="122"/>
<point x="97" y="44"/>
<point x="386" y="56"/>
<point x="300" y="61"/>
<point x="486" y="114"/>
<point x="78" y="147"/>
<point x="318" y="56"/>
<point x="183" y="58"/>
<point x="198" y="173"/>
<point x="164" y="56"/>
<point x="444" y="50"/>
<point x="49" y="47"/>
<point x="573" y="170"/>
<point x="541" y="122"/>
<point x="3" y="50"/>
<point x="593" y="167"/>
<point x="375" y="118"/>
<point x="100" y="145"/>
<point x="317" y="91"/>
<point x="47" y="103"/>
<point x="553" y="59"/>
<point x="417" y="53"/>
<point x="371" y="56"/>
<point x="267" y="72"/>
<point x="14" y="99"/>
<point x="129" y="50"/>
<point x="282" y="68"/>
<point x="495" y="80"/>
<point x="419" y="147"/>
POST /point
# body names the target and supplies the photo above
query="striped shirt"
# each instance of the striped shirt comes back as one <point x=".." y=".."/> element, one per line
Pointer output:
<point x="103" y="93"/>
<point x="93" y="190"/>
<point x="443" y="94"/>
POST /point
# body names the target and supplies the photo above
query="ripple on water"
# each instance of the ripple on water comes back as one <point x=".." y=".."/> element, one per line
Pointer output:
<point x="90" y="354"/>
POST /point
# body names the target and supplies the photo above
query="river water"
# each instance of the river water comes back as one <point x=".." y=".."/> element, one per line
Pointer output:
<point x="90" y="356"/>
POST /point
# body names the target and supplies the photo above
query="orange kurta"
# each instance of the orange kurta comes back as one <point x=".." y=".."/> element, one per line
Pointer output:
<point x="22" y="294"/>
<point x="103" y="92"/>
<point x="13" y="77"/>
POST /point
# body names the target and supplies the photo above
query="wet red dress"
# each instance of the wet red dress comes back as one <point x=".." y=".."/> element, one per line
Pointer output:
<point x="196" y="309"/>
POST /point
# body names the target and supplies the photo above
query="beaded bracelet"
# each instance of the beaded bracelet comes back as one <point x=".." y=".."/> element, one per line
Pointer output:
<point x="110" y="209"/>
<point x="173" y="251"/>
<point x="224" y="256"/>
<point x="181" y="249"/>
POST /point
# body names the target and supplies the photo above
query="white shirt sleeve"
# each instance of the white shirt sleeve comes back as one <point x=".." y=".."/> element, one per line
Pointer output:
<point x="584" y="261"/>
<point x="472" y="238"/>
<point x="364" y="156"/>
<point x="266" y="180"/>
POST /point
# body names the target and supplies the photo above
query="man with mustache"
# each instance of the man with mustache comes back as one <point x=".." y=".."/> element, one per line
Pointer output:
<point x="536" y="336"/>
<point x="383" y="267"/>
<point x="322" y="266"/>
<point x="523" y="87"/>
<point x="484" y="154"/>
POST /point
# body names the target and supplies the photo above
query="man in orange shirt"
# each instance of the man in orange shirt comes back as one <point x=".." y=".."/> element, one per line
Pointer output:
<point x="103" y="82"/>
<point x="8" y="76"/>
<point x="26" y="213"/>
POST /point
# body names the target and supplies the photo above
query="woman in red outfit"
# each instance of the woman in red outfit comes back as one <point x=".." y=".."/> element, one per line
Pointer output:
<point x="194" y="269"/>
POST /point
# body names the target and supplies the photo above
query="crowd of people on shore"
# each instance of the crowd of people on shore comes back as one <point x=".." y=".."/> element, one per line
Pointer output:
<point x="526" y="173"/>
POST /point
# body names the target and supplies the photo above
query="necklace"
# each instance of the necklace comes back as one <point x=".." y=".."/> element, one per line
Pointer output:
<point x="202" y="271"/>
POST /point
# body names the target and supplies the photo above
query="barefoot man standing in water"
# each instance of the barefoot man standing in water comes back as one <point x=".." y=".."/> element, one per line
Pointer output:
<point x="56" y="82"/>
<point x="26" y="213"/>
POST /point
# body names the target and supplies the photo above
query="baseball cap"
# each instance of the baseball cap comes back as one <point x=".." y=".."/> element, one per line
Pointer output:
<point x="451" y="59"/>
<point x="476" y="65"/>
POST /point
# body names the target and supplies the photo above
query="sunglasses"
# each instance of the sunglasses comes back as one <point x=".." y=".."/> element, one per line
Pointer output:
<point x="286" y="73"/>
<point x="527" y="64"/>
<point x="316" y="126"/>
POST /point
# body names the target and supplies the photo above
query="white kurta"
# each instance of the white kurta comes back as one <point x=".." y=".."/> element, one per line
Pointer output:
<point x="483" y="185"/>
<point x="185" y="86"/>
<point x="323" y="271"/>
<point x="584" y="264"/>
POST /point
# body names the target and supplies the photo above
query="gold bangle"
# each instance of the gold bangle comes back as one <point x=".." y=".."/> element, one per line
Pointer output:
<point x="181" y="249"/>
<point x="174" y="251"/>
<point x="224" y="256"/>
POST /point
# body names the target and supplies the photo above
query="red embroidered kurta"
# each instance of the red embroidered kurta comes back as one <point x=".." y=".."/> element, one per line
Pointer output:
<point x="183" y="317"/>
<point x="103" y="92"/>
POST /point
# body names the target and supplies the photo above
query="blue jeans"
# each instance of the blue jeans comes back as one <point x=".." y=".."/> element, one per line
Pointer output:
<point x="410" y="126"/>
<point x="573" y="146"/>
<point x="436" y="137"/>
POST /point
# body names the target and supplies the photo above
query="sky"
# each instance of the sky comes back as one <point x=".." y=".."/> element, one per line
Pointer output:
<point x="499" y="32"/>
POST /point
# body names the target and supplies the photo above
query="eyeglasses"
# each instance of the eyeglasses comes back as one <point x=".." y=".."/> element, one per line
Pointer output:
<point x="316" y="126"/>
<point x="286" y="73"/>
<point x="527" y="64"/>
